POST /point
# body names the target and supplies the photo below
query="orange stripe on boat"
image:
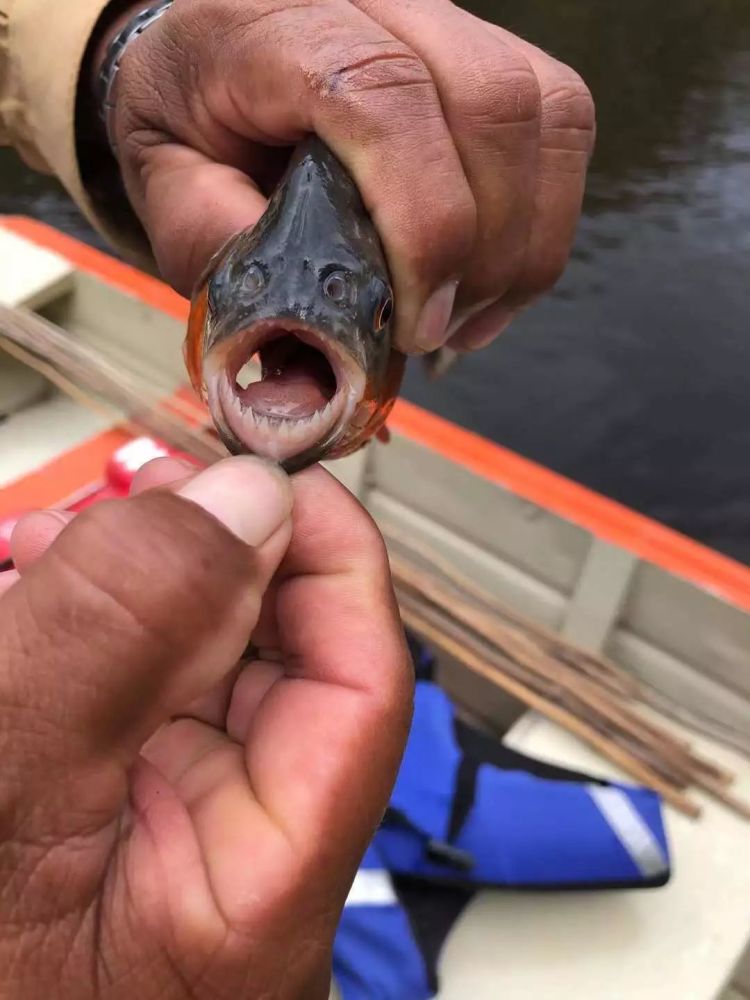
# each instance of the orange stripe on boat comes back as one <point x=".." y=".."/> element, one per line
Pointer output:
<point x="604" y="518"/>
<point x="63" y="476"/>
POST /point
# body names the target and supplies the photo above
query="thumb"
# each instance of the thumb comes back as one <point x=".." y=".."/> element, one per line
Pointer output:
<point x="137" y="608"/>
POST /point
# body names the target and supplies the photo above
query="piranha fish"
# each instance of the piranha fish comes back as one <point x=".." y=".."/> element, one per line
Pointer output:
<point x="306" y="293"/>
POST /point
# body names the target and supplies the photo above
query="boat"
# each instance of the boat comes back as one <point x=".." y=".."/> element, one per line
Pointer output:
<point x="665" y="608"/>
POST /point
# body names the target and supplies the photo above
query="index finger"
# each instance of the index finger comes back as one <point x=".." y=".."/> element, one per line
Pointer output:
<point x="327" y="744"/>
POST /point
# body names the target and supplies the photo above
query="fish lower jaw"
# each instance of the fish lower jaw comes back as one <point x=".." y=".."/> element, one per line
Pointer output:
<point x="274" y="435"/>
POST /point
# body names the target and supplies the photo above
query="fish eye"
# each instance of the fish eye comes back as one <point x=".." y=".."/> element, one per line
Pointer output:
<point x="384" y="312"/>
<point x="336" y="287"/>
<point x="253" y="279"/>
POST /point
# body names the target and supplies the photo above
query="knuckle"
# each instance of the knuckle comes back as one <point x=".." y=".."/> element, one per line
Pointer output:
<point x="370" y="73"/>
<point x="568" y="104"/>
<point x="500" y="91"/>
<point x="386" y="93"/>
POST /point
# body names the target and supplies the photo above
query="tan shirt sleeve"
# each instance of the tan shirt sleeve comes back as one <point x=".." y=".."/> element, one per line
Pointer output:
<point x="42" y="46"/>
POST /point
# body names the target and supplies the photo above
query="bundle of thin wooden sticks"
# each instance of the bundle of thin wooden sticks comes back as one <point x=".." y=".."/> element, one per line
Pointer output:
<point x="582" y="692"/>
<point x="88" y="376"/>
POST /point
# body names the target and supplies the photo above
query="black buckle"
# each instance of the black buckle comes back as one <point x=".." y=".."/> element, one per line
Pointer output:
<point x="447" y="854"/>
<point x="437" y="850"/>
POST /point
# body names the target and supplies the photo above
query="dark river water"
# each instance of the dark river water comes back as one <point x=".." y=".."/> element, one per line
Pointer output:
<point x="633" y="376"/>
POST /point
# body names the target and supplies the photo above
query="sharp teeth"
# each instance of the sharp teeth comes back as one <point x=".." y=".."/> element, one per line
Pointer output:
<point x="273" y="436"/>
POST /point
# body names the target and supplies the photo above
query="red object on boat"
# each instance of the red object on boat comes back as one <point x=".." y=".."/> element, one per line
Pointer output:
<point x="7" y="525"/>
<point x="118" y="477"/>
<point x="128" y="459"/>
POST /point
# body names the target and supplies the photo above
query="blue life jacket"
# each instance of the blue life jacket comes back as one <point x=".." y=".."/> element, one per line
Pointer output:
<point x="376" y="954"/>
<point x="467" y="812"/>
<point x="467" y="809"/>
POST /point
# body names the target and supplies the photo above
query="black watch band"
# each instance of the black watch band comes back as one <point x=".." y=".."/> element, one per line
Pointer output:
<point x="107" y="76"/>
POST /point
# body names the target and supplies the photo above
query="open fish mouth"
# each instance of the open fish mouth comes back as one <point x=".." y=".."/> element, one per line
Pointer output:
<point x="308" y="390"/>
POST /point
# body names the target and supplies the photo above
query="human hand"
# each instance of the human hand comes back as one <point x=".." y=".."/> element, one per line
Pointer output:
<point x="173" y="824"/>
<point x="469" y="145"/>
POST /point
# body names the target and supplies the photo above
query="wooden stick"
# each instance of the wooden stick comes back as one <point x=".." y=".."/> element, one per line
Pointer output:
<point x="560" y="696"/>
<point x="521" y="649"/>
<point x="53" y="375"/>
<point x="583" y="659"/>
<point x="731" y="801"/>
<point x="476" y="663"/>
<point x="667" y="761"/>
<point x="507" y="667"/>
<point x="676" y="757"/>
<point x="598" y="664"/>
<point x="50" y="346"/>
<point x="674" y="774"/>
<point x="729" y="736"/>
<point x="64" y="384"/>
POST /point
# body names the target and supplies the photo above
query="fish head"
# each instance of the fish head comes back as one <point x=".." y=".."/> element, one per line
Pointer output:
<point x="306" y="293"/>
